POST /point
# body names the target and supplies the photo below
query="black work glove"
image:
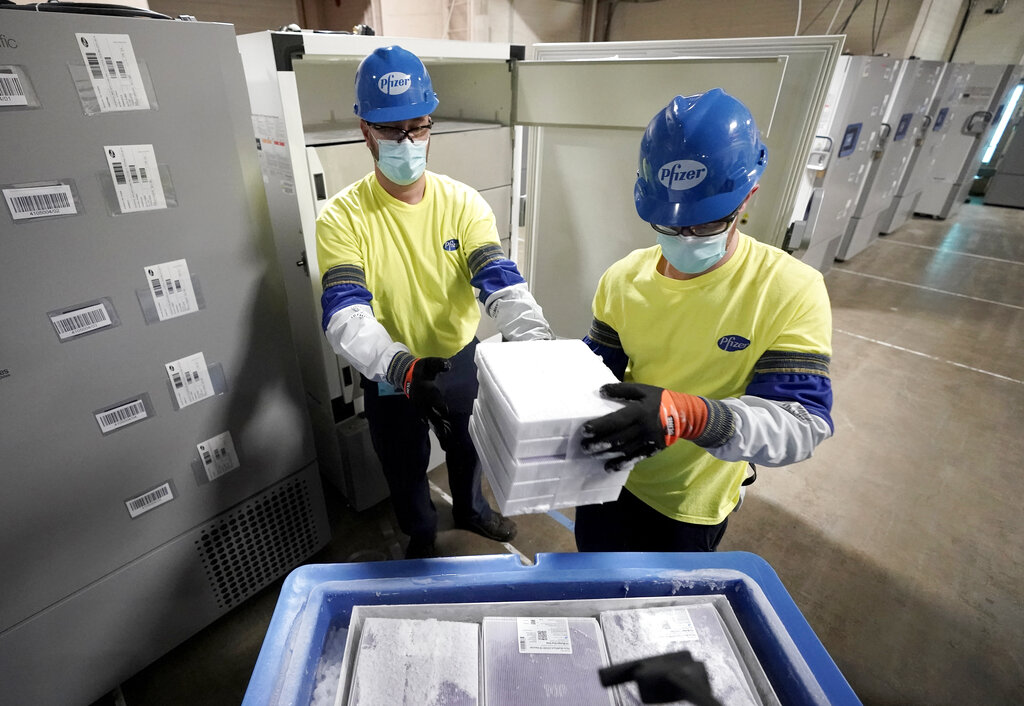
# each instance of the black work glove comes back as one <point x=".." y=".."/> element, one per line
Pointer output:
<point x="652" y="419"/>
<point x="664" y="678"/>
<point x="422" y="391"/>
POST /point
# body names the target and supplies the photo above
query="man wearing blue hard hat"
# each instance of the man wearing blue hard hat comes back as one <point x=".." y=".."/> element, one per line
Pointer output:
<point x="402" y="251"/>
<point x="723" y="343"/>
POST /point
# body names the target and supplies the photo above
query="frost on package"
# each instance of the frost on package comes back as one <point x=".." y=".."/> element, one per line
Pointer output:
<point x="698" y="629"/>
<point x="416" y="663"/>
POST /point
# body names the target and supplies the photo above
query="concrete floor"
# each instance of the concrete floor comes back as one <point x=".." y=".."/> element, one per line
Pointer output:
<point x="902" y="539"/>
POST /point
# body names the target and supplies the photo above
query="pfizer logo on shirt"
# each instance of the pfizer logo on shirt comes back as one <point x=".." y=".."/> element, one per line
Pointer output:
<point x="682" y="174"/>
<point x="394" y="83"/>
<point x="733" y="343"/>
<point x="451" y="245"/>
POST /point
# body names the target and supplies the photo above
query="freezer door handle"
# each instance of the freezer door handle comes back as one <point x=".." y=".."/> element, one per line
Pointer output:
<point x="971" y="129"/>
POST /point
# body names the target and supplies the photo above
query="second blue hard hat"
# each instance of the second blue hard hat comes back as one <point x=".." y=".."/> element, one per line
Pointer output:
<point x="392" y="84"/>
<point x="699" y="158"/>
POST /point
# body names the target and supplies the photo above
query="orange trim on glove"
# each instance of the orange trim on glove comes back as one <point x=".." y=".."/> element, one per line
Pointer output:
<point x="683" y="416"/>
<point x="407" y="383"/>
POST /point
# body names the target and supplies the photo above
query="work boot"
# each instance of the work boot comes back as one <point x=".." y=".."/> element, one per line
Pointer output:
<point x="496" y="526"/>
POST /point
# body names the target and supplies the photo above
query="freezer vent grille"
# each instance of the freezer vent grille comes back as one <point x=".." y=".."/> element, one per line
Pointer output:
<point x="261" y="540"/>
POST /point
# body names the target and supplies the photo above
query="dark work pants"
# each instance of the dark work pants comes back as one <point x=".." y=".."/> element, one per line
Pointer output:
<point x="400" y="439"/>
<point x="631" y="525"/>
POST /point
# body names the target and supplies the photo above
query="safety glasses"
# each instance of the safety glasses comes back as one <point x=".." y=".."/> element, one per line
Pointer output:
<point x="701" y="230"/>
<point x="397" y="134"/>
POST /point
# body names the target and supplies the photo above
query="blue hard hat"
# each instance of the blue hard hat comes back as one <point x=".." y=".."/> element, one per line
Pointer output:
<point x="699" y="158"/>
<point x="392" y="84"/>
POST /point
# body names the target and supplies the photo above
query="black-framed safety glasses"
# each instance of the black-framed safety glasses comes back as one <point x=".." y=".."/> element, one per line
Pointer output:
<point x="397" y="134"/>
<point x="700" y="230"/>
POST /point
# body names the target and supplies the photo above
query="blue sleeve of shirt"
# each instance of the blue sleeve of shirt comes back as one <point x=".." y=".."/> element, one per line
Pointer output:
<point x="491" y="271"/>
<point x="344" y="285"/>
<point x="784" y="376"/>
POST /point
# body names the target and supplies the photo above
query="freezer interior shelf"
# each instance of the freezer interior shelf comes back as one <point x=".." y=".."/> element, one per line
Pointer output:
<point x="323" y="134"/>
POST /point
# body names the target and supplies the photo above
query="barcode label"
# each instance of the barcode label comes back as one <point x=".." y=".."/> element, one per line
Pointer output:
<point x="190" y="379"/>
<point x="170" y="283"/>
<point x="40" y="201"/>
<point x="11" y="90"/>
<point x="218" y="455"/>
<point x="544" y="636"/>
<point x="75" y="323"/>
<point x="152" y="499"/>
<point x="113" y="71"/>
<point x="122" y="416"/>
<point x="136" y="177"/>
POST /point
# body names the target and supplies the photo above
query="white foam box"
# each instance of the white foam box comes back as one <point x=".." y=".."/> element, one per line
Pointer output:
<point x="408" y="662"/>
<point x="533" y="661"/>
<point x="542" y="389"/>
<point x="540" y="484"/>
<point x="699" y="629"/>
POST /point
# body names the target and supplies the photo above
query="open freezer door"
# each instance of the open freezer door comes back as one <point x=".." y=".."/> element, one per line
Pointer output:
<point x="585" y="107"/>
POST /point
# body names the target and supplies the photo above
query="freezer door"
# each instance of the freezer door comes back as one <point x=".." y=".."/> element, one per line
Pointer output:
<point x="954" y="156"/>
<point x="586" y="106"/>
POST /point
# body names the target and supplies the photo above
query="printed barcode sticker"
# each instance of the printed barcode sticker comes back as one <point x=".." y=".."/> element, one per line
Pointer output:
<point x="170" y="283"/>
<point x="544" y="636"/>
<point x="11" y="90"/>
<point x="74" y="323"/>
<point x="666" y="626"/>
<point x="40" y="201"/>
<point x="146" y="502"/>
<point x="218" y="455"/>
<point x="136" y="177"/>
<point x="190" y="379"/>
<point x="122" y="416"/>
<point x="113" y="71"/>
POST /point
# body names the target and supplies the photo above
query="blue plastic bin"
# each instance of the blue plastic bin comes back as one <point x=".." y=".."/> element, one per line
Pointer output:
<point x="317" y="597"/>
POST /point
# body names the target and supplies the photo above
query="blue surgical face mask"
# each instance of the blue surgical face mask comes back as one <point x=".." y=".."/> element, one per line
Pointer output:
<point x="402" y="162"/>
<point x="691" y="254"/>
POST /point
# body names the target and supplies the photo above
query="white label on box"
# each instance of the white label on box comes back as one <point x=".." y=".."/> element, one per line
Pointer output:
<point x="136" y="177"/>
<point x="544" y="636"/>
<point x="11" y="90"/>
<point x="114" y="73"/>
<point x="39" y="201"/>
<point x="152" y="499"/>
<point x="190" y="379"/>
<point x="664" y="627"/>
<point x="218" y="455"/>
<point x="121" y="416"/>
<point x="170" y="283"/>
<point x="75" y="323"/>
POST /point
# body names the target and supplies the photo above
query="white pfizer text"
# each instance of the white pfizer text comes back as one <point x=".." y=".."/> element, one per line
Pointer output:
<point x="394" y="83"/>
<point x="682" y="174"/>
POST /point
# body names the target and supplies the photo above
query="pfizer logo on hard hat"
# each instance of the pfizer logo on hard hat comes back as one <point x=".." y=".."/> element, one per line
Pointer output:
<point x="394" y="83"/>
<point x="682" y="174"/>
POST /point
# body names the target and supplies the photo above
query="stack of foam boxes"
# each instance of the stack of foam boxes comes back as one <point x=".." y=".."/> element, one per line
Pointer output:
<point x="534" y="398"/>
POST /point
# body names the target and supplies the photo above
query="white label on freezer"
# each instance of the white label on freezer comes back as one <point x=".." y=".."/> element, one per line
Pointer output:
<point x="114" y="73"/>
<point x="190" y="379"/>
<point x="544" y="636"/>
<point x="75" y="323"/>
<point x="154" y="498"/>
<point x="11" y="90"/>
<point x="136" y="177"/>
<point x="663" y="627"/>
<point x="39" y="201"/>
<point x="121" y="416"/>
<point x="170" y="283"/>
<point x="218" y="455"/>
